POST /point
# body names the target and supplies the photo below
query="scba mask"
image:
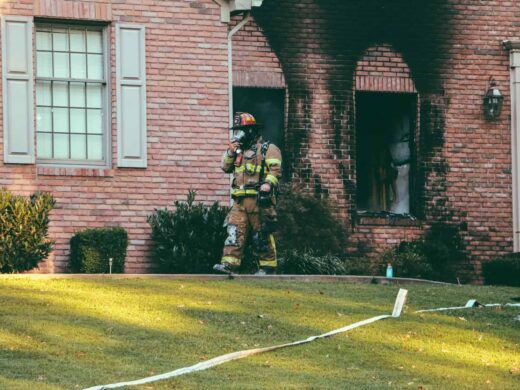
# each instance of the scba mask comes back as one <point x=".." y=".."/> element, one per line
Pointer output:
<point x="245" y="136"/>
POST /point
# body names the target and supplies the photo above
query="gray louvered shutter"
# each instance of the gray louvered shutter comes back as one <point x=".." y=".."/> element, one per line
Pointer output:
<point x="131" y="96"/>
<point x="17" y="89"/>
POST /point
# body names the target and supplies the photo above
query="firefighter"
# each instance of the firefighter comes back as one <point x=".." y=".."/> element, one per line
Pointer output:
<point x="256" y="166"/>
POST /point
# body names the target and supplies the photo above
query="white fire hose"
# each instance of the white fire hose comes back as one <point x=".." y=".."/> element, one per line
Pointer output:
<point x="398" y="307"/>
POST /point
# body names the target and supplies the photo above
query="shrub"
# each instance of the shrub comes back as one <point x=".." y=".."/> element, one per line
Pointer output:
<point x="409" y="260"/>
<point x="24" y="225"/>
<point x="358" y="266"/>
<point x="307" y="224"/>
<point x="444" y="249"/>
<point x="309" y="263"/>
<point x="504" y="270"/>
<point x="91" y="249"/>
<point x="189" y="239"/>
<point x="433" y="257"/>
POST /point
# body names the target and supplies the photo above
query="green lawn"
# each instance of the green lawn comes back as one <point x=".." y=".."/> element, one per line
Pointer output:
<point x="67" y="334"/>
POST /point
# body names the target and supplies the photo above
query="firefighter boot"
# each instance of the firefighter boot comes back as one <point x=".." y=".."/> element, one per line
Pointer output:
<point x="262" y="271"/>
<point x="224" y="269"/>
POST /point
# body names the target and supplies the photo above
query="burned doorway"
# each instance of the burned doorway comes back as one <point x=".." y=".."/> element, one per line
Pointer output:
<point x="267" y="106"/>
<point x="385" y="129"/>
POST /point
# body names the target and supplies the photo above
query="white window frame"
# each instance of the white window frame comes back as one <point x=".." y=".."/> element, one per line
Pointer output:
<point x="106" y="162"/>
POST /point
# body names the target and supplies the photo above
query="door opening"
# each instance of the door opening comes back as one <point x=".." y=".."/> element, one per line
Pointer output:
<point x="267" y="106"/>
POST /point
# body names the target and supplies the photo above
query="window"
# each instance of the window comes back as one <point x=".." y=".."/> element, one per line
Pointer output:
<point x="385" y="151"/>
<point x="70" y="94"/>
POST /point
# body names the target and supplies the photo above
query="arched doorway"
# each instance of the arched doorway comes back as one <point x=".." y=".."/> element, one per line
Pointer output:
<point x="386" y="117"/>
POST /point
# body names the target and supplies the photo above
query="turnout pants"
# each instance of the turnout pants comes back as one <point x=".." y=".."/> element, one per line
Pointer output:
<point x="247" y="219"/>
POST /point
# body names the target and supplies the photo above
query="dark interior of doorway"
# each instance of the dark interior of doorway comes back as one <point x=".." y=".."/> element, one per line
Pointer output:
<point x="377" y="117"/>
<point x="267" y="106"/>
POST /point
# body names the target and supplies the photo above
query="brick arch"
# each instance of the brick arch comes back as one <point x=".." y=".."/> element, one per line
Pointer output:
<point x="382" y="69"/>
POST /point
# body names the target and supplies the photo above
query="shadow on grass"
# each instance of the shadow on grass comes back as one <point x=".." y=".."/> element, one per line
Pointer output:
<point x="97" y="331"/>
<point x="90" y="346"/>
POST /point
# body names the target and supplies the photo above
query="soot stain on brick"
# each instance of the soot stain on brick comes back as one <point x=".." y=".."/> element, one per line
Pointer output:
<point x="432" y="167"/>
<point x="408" y="26"/>
<point x="319" y="190"/>
<point x="291" y="40"/>
<point x="335" y="35"/>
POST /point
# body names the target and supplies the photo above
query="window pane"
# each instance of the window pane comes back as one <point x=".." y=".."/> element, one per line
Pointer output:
<point x="94" y="122"/>
<point x="77" y="94"/>
<point x="60" y="94"/>
<point x="61" y="65"/>
<point x="94" y="41"/>
<point x="61" y="146"/>
<point x="95" y="147"/>
<point x="78" y="147"/>
<point x="94" y="95"/>
<point x="43" y="93"/>
<point x="77" y="120"/>
<point x="77" y="40"/>
<point x="44" y="145"/>
<point x="78" y="66"/>
<point x="61" y="120"/>
<point x="95" y="66"/>
<point x="43" y="64"/>
<point x="70" y="113"/>
<point x="44" y="119"/>
<point x="60" y="40"/>
<point x="43" y="40"/>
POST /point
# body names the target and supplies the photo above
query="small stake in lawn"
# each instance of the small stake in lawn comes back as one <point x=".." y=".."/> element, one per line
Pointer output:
<point x="110" y="265"/>
<point x="399" y="302"/>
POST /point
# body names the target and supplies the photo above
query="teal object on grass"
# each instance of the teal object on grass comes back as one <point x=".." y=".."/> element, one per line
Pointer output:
<point x="389" y="271"/>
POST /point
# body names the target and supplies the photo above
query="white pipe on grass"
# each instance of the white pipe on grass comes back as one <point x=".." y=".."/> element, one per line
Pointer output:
<point x="398" y="307"/>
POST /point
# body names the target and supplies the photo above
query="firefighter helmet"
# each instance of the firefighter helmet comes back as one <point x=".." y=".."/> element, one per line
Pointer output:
<point x="244" y="119"/>
<point x="245" y="129"/>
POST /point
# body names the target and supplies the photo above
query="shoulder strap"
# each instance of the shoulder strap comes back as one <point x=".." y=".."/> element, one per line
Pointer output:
<point x="263" y="151"/>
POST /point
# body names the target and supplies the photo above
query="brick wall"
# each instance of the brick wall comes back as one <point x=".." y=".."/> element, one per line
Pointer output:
<point x="254" y="62"/>
<point x="382" y="69"/>
<point x="186" y="71"/>
<point x="451" y="48"/>
<point x="445" y="50"/>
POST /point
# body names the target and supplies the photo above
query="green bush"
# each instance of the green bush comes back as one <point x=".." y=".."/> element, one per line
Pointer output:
<point x="358" y="266"/>
<point x="504" y="270"/>
<point x="295" y="262"/>
<point x="307" y="224"/>
<point x="91" y="249"/>
<point x="408" y="260"/>
<point x="189" y="239"/>
<point x="433" y="257"/>
<point x="24" y="224"/>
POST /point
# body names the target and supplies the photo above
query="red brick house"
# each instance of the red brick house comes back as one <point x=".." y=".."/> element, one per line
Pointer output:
<point x="119" y="107"/>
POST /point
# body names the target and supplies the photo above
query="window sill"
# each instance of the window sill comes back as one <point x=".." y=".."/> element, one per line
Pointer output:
<point x="86" y="172"/>
<point x="387" y="219"/>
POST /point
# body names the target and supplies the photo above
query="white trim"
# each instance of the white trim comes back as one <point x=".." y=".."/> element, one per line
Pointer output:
<point x="515" y="143"/>
<point x="224" y="10"/>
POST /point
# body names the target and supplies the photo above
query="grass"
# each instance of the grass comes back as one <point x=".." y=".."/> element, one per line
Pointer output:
<point x="67" y="334"/>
